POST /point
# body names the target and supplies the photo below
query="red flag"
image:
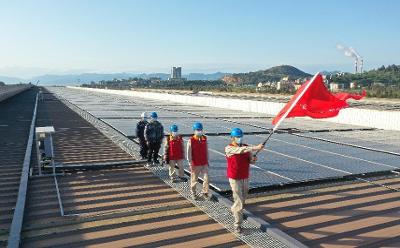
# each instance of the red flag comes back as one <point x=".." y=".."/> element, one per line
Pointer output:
<point x="344" y="96"/>
<point x="313" y="99"/>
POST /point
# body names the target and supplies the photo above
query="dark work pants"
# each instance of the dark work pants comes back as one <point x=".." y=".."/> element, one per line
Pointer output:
<point x="143" y="148"/>
<point x="154" y="148"/>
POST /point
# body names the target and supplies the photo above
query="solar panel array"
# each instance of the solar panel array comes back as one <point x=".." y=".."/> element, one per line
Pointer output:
<point x="287" y="158"/>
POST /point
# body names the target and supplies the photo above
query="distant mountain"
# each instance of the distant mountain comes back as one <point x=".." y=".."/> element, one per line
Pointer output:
<point x="272" y="74"/>
<point x="286" y="70"/>
<point x="202" y="76"/>
<point x="163" y="76"/>
<point x="190" y="76"/>
<point x="11" y="80"/>
<point x="77" y="79"/>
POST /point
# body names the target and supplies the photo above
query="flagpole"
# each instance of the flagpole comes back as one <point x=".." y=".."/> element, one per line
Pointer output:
<point x="295" y="102"/>
<point x="290" y="109"/>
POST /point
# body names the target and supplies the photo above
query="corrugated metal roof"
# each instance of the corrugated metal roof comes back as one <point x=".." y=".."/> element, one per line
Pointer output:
<point x="350" y="214"/>
<point x="15" y="120"/>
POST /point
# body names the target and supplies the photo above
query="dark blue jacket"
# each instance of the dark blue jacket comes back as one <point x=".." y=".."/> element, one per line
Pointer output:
<point x="140" y="126"/>
<point x="154" y="132"/>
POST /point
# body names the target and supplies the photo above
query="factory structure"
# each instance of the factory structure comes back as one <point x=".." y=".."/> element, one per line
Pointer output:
<point x="358" y="65"/>
<point x="353" y="54"/>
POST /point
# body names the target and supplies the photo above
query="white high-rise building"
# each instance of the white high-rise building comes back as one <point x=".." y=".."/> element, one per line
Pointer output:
<point x="176" y="73"/>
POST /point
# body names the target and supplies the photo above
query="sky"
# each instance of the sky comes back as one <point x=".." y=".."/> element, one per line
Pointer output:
<point x="75" y="36"/>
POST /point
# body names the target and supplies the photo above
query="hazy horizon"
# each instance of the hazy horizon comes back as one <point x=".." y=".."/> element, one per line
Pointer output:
<point x="163" y="71"/>
<point x="74" y="37"/>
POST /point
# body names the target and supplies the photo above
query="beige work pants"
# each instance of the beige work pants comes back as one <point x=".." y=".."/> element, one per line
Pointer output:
<point x="195" y="172"/>
<point x="240" y="189"/>
<point x="172" y="169"/>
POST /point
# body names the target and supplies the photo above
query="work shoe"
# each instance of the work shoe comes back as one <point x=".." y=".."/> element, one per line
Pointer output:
<point x="238" y="230"/>
<point x="183" y="179"/>
<point x="206" y="196"/>
<point x="195" y="197"/>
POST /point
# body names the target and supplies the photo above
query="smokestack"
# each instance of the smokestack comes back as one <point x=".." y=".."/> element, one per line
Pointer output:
<point x="356" y="66"/>
<point x="352" y="53"/>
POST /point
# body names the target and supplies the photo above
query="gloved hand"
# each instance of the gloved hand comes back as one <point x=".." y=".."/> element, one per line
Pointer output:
<point x="258" y="147"/>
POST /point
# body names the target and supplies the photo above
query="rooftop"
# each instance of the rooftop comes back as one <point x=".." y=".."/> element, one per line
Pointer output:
<point x="316" y="184"/>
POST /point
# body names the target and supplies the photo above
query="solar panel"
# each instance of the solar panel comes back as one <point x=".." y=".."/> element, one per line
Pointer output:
<point x="287" y="158"/>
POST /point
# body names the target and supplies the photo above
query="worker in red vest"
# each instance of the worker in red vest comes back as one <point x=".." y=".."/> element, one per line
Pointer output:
<point x="239" y="157"/>
<point x="174" y="154"/>
<point x="197" y="156"/>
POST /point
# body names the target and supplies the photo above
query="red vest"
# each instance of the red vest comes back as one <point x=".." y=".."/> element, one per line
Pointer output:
<point x="199" y="150"/>
<point x="175" y="148"/>
<point x="238" y="165"/>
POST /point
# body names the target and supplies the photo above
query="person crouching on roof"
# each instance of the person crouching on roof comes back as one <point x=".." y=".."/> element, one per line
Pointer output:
<point x="174" y="154"/>
<point x="239" y="157"/>
<point x="197" y="156"/>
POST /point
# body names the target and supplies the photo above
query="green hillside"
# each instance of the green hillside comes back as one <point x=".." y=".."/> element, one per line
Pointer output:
<point x="272" y="74"/>
<point x="388" y="76"/>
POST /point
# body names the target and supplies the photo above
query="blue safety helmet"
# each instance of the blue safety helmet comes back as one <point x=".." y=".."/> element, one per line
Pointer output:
<point x="197" y="126"/>
<point x="236" y="132"/>
<point x="153" y="115"/>
<point x="173" y="128"/>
